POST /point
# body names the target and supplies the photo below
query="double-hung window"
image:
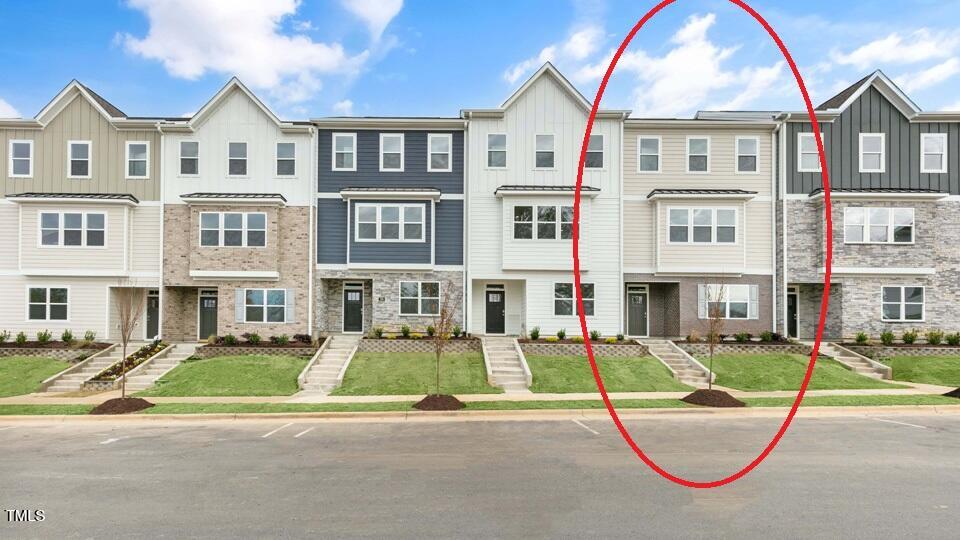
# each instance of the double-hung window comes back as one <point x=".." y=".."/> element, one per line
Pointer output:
<point x="872" y="152"/>
<point x="78" y="158"/>
<point x="594" y="157"/>
<point x="748" y="150"/>
<point x="73" y="229"/>
<point x="265" y="305"/>
<point x="286" y="159"/>
<point x="867" y="225"/>
<point x="138" y="159"/>
<point x="344" y="151"/>
<point x="390" y="222"/>
<point x="902" y="304"/>
<point x="440" y="148"/>
<point x="237" y="160"/>
<point x="648" y="154"/>
<point x="698" y="154"/>
<point x="189" y="158"/>
<point x="21" y="159"/>
<point x="547" y="221"/>
<point x="391" y="151"/>
<point x="544" y="158"/>
<point x="419" y="298"/>
<point x="565" y="303"/>
<point x="496" y="151"/>
<point x="702" y="226"/>
<point x="728" y="301"/>
<point x="48" y="304"/>
<point x="933" y="152"/>
<point x="808" y="159"/>
<point x="233" y="229"/>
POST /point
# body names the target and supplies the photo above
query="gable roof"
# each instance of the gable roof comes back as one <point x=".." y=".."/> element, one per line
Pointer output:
<point x="69" y="92"/>
<point x="235" y="84"/>
<point x="883" y="84"/>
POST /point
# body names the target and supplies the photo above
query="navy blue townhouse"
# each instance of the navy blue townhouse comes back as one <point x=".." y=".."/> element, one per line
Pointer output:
<point x="390" y="223"/>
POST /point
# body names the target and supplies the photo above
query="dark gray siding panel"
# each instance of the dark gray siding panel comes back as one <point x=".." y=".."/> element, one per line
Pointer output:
<point x="449" y="232"/>
<point x="368" y="163"/>
<point x="872" y="113"/>
<point x="392" y="252"/>
<point x="331" y="231"/>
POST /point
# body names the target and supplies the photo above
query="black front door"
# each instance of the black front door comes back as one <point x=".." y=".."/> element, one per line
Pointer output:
<point x="792" y="315"/>
<point x="208" y="315"/>
<point x="353" y="310"/>
<point x="637" y="313"/>
<point x="495" y="312"/>
<point x="153" y="314"/>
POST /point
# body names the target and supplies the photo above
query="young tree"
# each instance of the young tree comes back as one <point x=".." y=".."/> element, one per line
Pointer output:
<point x="444" y="322"/>
<point x="716" y="315"/>
<point x="129" y="303"/>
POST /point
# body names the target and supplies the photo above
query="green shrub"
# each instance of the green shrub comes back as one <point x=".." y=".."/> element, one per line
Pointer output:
<point x="89" y="336"/>
<point x="934" y="337"/>
<point x="416" y="335"/>
<point x="577" y="339"/>
<point x="535" y="333"/>
<point x="21" y="338"/>
<point x="862" y="338"/>
<point x="457" y="331"/>
<point x="282" y="339"/>
<point x="595" y="335"/>
<point x="619" y="337"/>
<point x="392" y="336"/>
<point x="611" y="340"/>
<point x="741" y="337"/>
<point x="561" y="333"/>
<point x="953" y="339"/>
<point x="4" y="337"/>
<point x="405" y="330"/>
<point x="431" y="330"/>
<point x="766" y="337"/>
<point x="43" y="336"/>
<point x="378" y="332"/>
<point x="66" y="337"/>
<point x="252" y="338"/>
<point x="909" y="337"/>
<point x="552" y="339"/>
<point x="230" y="340"/>
<point x="887" y="337"/>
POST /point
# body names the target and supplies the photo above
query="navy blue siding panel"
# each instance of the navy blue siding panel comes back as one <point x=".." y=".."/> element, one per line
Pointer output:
<point x="449" y="232"/>
<point x="392" y="252"/>
<point x="368" y="163"/>
<point x="872" y="113"/>
<point x="331" y="231"/>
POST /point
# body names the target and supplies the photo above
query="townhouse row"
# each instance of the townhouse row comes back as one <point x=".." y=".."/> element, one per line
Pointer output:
<point x="234" y="221"/>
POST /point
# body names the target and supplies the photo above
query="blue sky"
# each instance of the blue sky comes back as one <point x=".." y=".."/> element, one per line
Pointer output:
<point x="431" y="58"/>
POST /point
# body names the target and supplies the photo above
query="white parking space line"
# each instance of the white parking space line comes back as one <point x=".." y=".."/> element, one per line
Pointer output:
<point x="6" y="428"/>
<point x="899" y="423"/>
<point x="264" y="436"/>
<point x="304" y="432"/>
<point x="586" y="427"/>
<point x="109" y="441"/>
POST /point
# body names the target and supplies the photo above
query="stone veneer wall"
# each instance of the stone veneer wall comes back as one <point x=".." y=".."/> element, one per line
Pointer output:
<point x="809" y="296"/>
<point x="416" y="345"/>
<point x="69" y="355"/>
<point x="699" y="349"/>
<point x="576" y="349"/>
<point x="876" y="352"/>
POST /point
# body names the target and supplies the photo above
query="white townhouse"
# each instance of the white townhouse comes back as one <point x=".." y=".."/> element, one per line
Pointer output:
<point x="522" y="162"/>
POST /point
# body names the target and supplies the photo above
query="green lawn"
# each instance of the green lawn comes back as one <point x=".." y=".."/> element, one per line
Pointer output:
<point x="943" y="370"/>
<point x="232" y="376"/>
<point x="569" y="374"/>
<point x="23" y="374"/>
<point x="20" y="410"/>
<point x="768" y="372"/>
<point x="853" y="401"/>
<point x="401" y="374"/>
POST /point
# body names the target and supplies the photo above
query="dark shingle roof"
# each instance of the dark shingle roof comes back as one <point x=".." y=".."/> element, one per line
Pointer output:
<point x="390" y="189"/>
<point x="233" y="196"/>
<point x="89" y="196"/>
<point x="547" y="189"/>
<point x="877" y="190"/>
<point x="111" y="109"/>
<point x="843" y="96"/>
<point x="659" y="191"/>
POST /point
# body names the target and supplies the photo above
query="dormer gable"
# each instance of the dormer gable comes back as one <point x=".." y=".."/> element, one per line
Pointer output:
<point x="231" y="91"/>
<point x="883" y="84"/>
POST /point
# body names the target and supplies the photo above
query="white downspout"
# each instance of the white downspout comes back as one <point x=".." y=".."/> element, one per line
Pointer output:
<point x="783" y="215"/>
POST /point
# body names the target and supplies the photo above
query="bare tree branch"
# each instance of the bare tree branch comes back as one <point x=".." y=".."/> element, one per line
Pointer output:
<point x="129" y="303"/>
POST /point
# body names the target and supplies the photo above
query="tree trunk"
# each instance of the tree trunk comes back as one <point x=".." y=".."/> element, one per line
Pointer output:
<point x="123" y="372"/>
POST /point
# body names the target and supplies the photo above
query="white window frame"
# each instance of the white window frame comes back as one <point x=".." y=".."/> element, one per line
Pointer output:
<point x="714" y="216"/>
<point x="752" y="301"/>
<point x="89" y="160"/>
<point x="603" y="153"/>
<point x="923" y="153"/>
<point x="558" y="209"/>
<point x="891" y="225"/>
<point x="800" y="152"/>
<point x="46" y="303"/>
<point x="10" y="173"/>
<point x="903" y="303"/>
<point x="420" y="298"/>
<point x="506" y="152"/>
<point x="553" y="151"/>
<point x="573" y="298"/>
<point x="146" y="161"/>
<point x="659" y="153"/>
<point x="430" y="152"/>
<point x="245" y="158"/>
<point x="265" y="305"/>
<point x="708" y="154"/>
<point x="245" y="230"/>
<point x="181" y="157"/>
<point x="402" y="223"/>
<point x="333" y="151"/>
<point x="883" y="152"/>
<point x="738" y="155"/>
<point x="60" y="229"/>
<point x="402" y="150"/>
<point x="277" y="158"/>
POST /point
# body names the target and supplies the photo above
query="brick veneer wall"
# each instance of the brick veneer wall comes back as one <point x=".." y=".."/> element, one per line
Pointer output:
<point x="575" y="349"/>
<point x="416" y="345"/>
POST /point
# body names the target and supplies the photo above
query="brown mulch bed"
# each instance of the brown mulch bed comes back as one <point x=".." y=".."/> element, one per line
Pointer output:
<point x="572" y="342"/>
<point x="712" y="398"/>
<point x="953" y="393"/>
<point x="121" y="406"/>
<point x="78" y="345"/>
<point x="436" y="402"/>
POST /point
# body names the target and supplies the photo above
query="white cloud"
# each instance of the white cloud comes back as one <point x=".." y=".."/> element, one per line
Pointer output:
<point x="926" y="78"/>
<point x="343" y="108"/>
<point x="952" y="107"/>
<point x="918" y="46"/>
<point x="7" y="110"/>
<point x="756" y="81"/>
<point x="241" y="37"/>
<point x="376" y="14"/>
<point x="579" y="45"/>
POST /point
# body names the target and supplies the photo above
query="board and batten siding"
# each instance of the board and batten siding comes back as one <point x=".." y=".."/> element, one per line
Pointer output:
<point x="873" y="113"/>
<point x="533" y="254"/>
<point x="80" y="121"/>
<point x="398" y="253"/>
<point x="51" y="258"/>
